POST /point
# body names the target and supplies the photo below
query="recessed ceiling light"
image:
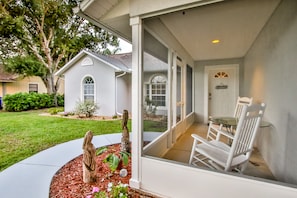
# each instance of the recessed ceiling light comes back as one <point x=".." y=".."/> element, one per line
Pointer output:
<point x="215" y="41"/>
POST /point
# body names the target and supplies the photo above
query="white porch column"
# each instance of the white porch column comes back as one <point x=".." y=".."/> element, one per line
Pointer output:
<point x="169" y="97"/>
<point x="137" y="68"/>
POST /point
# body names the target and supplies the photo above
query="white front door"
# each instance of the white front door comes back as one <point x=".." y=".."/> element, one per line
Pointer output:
<point x="222" y="86"/>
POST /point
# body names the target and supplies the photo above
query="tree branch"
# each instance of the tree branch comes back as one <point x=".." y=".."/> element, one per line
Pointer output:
<point x="44" y="40"/>
<point x="27" y="37"/>
<point x="61" y="55"/>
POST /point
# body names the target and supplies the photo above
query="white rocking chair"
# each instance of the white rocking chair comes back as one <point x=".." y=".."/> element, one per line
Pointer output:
<point x="241" y="102"/>
<point x="218" y="155"/>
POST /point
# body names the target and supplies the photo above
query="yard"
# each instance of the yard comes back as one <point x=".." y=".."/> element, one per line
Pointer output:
<point x="23" y="134"/>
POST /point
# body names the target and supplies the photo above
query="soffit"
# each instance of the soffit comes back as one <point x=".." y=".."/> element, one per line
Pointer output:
<point x="98" y="8"/>
<point x="112" y="15"/>
<point x="235" y="23"/>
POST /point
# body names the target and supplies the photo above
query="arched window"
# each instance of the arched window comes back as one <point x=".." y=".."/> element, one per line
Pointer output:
<point x="88" y="89"/>
<point x="221" y="75"/>
<point x="156" y="91"/>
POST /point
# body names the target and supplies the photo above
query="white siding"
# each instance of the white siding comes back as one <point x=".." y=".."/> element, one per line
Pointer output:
<point x="124" y="93"/>
<point x="270" y="76"/>
<point x="104" y="77"/>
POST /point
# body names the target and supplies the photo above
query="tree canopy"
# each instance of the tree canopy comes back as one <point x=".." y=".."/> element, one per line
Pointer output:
<point x="37" y="37"/>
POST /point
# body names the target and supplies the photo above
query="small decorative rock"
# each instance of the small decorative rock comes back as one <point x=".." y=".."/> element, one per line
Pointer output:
<point x="123" y="172"/>
<point x="89" y="162"/>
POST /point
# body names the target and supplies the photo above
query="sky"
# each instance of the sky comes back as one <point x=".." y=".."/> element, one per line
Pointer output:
<point x="125" y="47"/>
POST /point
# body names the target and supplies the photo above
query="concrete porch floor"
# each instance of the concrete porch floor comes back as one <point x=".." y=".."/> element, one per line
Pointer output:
<point x="180" y="152"/>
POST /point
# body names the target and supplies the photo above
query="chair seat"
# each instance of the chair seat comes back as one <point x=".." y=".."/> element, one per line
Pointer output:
<point x="220" y="154"/>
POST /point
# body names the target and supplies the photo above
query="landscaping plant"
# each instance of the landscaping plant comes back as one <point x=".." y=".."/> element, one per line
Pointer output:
<point x="113" y="191"/>
<point x="114" y="159"/>
<point x="28" y="101"/>
<point x="87" y="108"/>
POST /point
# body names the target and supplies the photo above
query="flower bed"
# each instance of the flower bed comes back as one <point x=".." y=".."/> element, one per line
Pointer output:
<point x="68" y="180"/>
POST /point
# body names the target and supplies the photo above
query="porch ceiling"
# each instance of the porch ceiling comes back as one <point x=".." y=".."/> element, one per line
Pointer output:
<point x="236" y="23"/>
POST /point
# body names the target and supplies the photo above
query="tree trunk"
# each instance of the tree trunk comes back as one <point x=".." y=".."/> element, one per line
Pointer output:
<point x="50" y="86"/>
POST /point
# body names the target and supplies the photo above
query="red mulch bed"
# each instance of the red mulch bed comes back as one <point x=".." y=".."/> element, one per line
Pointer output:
<point x="68" y="181"/>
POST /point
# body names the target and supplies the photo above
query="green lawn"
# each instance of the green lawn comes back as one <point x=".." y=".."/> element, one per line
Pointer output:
<point x="23" y="134"/>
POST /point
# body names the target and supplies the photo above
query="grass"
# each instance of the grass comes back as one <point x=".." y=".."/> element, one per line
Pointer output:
<point x="23" y="134"/>
<point x="157" y="126"/>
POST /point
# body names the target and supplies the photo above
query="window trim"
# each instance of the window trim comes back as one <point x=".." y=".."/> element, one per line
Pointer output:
<point x="149" y="85"/>
<point x="32" y="84"/>
<point x="83" y="87"/>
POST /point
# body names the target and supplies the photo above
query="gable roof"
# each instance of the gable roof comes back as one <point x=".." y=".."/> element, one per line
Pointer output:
<point x="118" y="62"/>
<point x="7" y="77"/>
<point x="125" y="58"/>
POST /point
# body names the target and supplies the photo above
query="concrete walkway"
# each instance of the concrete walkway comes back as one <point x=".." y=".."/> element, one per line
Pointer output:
<point x="31" y="178"/>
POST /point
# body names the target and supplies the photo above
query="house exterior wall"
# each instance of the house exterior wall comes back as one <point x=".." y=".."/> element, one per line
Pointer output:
<point x="104" y="79"/>
<point x="22" y="85"/>
<point x="123" y="91"/>
<point x="270" y="72"/>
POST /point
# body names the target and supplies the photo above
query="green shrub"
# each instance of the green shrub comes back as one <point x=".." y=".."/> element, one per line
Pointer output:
<point x="60" y="99"/>
<point x="15" y="102"/>
<point x="28" y="101"/>
<point x="55" y="110"/>
<point x="39" y="101"/>
<point x="86" y="108"/>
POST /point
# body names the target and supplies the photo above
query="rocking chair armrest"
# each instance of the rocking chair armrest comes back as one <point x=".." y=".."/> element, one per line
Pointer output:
<point x="225" y="133"/>
<point x="202" y="140"/>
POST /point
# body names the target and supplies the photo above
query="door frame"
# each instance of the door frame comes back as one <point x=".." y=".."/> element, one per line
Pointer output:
<point x="207" y="68"/>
